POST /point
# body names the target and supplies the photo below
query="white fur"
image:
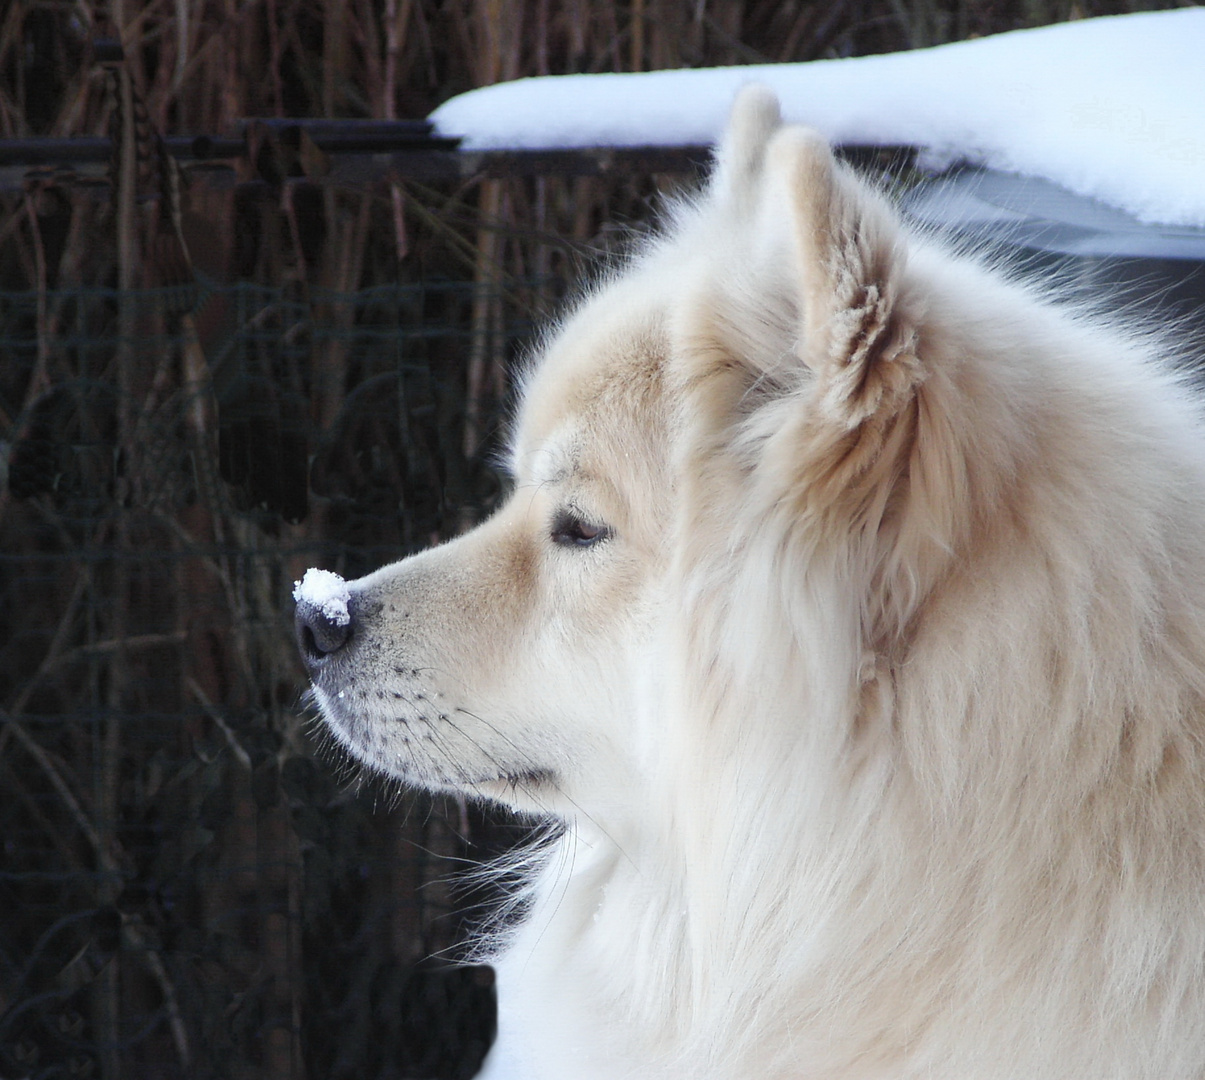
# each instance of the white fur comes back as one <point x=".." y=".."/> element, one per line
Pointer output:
<point x="875" y="723"/>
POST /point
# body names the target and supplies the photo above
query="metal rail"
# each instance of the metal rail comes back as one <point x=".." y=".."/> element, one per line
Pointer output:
<point x="361" y="152"/>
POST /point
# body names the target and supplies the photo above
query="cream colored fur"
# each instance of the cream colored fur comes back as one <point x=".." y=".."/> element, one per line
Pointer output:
<point x="876" y="719"/>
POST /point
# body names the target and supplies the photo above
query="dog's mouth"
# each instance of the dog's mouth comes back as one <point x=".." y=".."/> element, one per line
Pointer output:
<point x="525" y="780"/>
<point x="372" y="741"/>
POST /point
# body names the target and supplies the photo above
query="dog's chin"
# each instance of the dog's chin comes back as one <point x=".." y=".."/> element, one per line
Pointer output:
<point x="526" y="788"/>
<point x="523" y="786"/>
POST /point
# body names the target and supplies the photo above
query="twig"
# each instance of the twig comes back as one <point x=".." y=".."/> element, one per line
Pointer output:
<point x="133" y="934"/>
<point x="61" y="786"/>
<point x="134" y="641"/>
<point x="236" y="748"/>
<point x="56" y="645"/>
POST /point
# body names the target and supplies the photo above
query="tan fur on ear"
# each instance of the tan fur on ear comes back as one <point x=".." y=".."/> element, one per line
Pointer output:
<point x="815" y="274"/>
<point x="754" y="118"/>
<point x="857" y="336"/>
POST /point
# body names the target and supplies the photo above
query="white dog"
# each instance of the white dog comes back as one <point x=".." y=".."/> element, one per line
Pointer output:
<point x="849" y="613"/>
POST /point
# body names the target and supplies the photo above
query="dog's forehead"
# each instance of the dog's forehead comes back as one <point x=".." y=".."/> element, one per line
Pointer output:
<point x="598" y="384"/>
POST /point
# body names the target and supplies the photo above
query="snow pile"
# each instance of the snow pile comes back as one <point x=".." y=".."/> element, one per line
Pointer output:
<point x="327" y="592"/>
<point x="1112" y="108"/>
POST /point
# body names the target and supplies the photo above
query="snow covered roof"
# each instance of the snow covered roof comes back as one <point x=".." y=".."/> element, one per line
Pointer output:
<point x="1110" y="108"/>
<point x="1033" y="213"/>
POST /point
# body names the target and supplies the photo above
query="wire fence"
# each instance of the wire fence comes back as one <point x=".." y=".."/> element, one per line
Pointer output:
<point x="188" y="889"/>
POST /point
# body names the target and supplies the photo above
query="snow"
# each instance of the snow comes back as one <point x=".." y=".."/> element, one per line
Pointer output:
<point x="327" y="592"/>
<point x="1111" y="108"/>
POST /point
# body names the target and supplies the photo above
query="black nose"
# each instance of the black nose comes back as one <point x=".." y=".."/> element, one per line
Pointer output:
<point x="318" y="633"/>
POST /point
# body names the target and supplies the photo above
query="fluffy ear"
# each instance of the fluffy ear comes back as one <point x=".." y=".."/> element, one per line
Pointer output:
<point x="859" y="330"/>
<point x="801" y="350"/>
<point x="741" y="153"/>
<point x="857" y="454"/>
<point x="810" y="264"/>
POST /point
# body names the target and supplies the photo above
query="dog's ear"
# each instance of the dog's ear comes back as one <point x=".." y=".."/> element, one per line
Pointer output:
<point x="807" y="263"/>
<point x="801" y="348"/>
<point x="858" y="450"/>
<point x="741" y="154"/>
<point x="859" y="328"/>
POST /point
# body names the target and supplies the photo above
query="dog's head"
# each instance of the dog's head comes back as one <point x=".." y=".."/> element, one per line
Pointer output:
<point x="500" y="664"/>
<point x="751" y="371"/>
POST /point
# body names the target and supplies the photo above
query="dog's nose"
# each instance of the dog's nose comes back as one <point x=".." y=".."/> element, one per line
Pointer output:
<point x="318" y="634"/>
<point x="324" y="615"/>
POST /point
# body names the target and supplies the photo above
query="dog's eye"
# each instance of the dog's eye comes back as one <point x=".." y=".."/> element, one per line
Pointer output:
<point x="569" y="530"/>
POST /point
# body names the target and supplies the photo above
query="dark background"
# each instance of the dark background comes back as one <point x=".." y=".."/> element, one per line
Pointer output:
<point x="305" y="372"/>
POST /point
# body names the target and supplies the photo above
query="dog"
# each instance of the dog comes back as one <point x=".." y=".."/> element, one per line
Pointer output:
<point x="848" y="616"/>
